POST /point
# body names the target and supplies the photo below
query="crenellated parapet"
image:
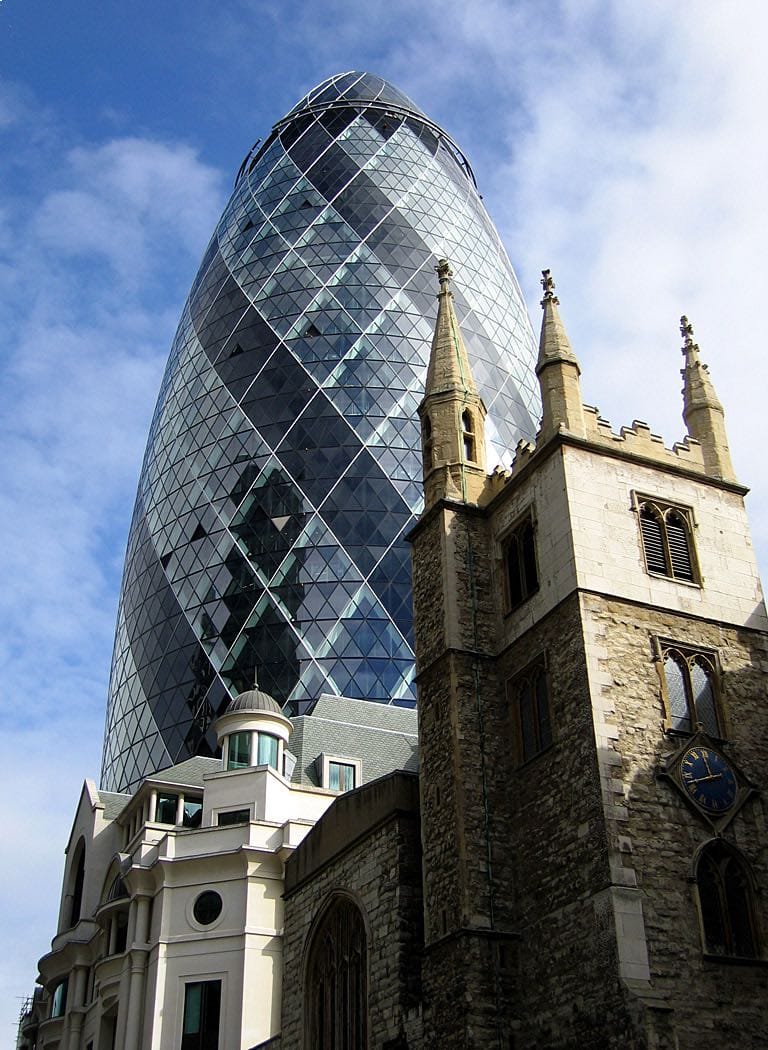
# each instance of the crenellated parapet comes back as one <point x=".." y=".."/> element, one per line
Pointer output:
<point x="639" y="440"/>
<point x="704" y="449"/>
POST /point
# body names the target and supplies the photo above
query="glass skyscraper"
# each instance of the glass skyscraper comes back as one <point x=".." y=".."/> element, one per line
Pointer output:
<point x="283" y="467"/>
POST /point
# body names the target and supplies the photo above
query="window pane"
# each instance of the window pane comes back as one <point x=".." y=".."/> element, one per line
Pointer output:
<point x="192" y="1008"/>
<point x="678" y="702"/>
<point x="193" y="813"/>
<point x="542" y="710"/>
<point x="708" y="881"/>
<point x="704" y="697"/>
<point x="527" y="723"/>
<point x="234" y="816"/>
<point x="513" y="573"/>
<point x="530" y="574"/>
<point x="653" y="542"/>
<point x="59" y="999"/>
<point x="267" y="750"/>
<point x="341" y="776"/>
<point x="737" y="902"/>
<point x="166" y="808"/>
<point x="239" y="753"/>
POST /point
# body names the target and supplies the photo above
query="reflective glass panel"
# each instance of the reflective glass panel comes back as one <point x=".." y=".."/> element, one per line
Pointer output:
<point x="286" y="425"/>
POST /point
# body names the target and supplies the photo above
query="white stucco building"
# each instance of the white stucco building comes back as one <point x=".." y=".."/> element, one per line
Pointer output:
<point x="171" y="916"/>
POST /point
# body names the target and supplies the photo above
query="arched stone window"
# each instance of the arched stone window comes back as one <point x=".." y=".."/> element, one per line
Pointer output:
<point x="468" y="436"/>
<point x="522" y="575"/>
<point x="727" y="903"/>
<point x="667" y="541"/>
<point x="336" y="1003"/>
<point x="77" y="875"/>
<point x="528" y="696"/>
<point x="426" y="443"/>
<point x="691" y="690"/>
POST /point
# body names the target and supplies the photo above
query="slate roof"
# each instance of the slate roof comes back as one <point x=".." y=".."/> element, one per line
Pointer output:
<point x="382" y="736"/>
<point x="113" y="803"/>
<point x="190" y="772"/>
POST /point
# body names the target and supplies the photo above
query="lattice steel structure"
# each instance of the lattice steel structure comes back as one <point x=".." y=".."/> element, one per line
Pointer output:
<point x="283" y="467"/>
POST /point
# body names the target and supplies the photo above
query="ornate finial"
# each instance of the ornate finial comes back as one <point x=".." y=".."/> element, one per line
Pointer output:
<point x="444" y="272"/>
<point x="686" y="331"/>
<point x="549" y="288"/>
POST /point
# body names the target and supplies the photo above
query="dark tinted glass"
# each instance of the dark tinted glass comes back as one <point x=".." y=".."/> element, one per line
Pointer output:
<point x="207" y="907"/>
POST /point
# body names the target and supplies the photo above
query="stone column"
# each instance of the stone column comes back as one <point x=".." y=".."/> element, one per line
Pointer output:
<point x="77" y="985"/>
<point x="138" y="957"/>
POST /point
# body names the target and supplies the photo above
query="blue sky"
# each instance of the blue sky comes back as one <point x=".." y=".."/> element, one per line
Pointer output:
<point x="623" y="145"/>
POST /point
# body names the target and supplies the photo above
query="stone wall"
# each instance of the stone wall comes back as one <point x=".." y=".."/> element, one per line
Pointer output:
<point x="653" y="833"/>
<point x="570" y="995"/>
<point x="368" y="847"/>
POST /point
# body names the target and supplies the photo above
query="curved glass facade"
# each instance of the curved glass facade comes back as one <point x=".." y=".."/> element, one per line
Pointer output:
<point x="283" y="467"/>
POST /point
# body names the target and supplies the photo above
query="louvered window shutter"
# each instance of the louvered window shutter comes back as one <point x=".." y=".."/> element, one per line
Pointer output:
<point x="679" y="549"/>
<point x="653" y="542"/>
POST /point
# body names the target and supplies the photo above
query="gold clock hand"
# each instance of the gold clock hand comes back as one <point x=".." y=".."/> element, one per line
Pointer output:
<point x="712" y="776"/>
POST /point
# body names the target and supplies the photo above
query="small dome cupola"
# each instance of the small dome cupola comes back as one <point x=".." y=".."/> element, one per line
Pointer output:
<point x="253" y="731"/>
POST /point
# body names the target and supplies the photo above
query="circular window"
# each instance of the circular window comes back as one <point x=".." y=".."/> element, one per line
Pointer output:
<point x="207" y="907"/>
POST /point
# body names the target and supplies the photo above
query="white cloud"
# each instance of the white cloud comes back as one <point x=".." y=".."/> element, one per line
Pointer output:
<point x="97" y="267"/>
<point x="639" y="180"/>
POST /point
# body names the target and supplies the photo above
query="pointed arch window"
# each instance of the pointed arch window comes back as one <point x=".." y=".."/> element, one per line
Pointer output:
<point x="426" y="443"/>
<point x="468" y="436"/>
<point x="667" y="536"/>
<point x="337" y="985"/>
<point x="727" y="904"/>
<point x="78" y="883"/>
<point x="521" y="575"/>
<point x="528" y="697"/>
<point x="691" y="689"/>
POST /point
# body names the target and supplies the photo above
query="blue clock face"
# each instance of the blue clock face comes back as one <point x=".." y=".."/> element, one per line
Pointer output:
<point x="708" y="779"/>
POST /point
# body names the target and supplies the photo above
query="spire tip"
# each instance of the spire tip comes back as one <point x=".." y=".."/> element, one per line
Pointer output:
<point x="548" y="284"/>
<point x="444" y="272"/>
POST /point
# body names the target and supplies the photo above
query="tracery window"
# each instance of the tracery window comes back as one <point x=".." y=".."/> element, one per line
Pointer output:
<point x="336" y="985"/>
<point x="528" y="696"/>
<point x="727" y="903"/>
<point x="691" y="686"/>
<point x="667" y="540"/>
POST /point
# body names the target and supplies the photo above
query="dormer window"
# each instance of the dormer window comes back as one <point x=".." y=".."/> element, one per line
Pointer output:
<point x="339" y="773"/>
<point x="341" y="776"/>
<point x="468" y="436"/>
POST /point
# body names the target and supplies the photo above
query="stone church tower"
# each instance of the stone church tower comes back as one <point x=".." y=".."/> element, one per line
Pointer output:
<point x="592" y="650"/>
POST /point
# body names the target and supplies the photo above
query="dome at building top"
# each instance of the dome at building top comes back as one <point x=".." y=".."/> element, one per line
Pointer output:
<point x="354" y="87"/>
<point x="254" y="700"/>
<point x="360" y="93"/>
